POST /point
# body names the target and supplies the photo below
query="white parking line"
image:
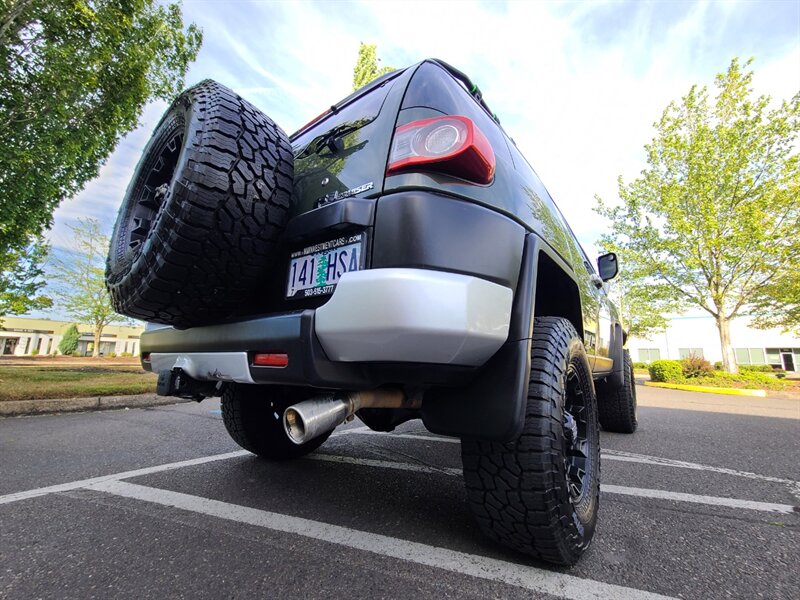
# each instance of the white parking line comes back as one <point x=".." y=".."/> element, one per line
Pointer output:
<point x="618" y="455"/>
<point x="74" y="485"/>
<point x="606" y="489"/>
<point x="696" y="499"/>
<point x="421" y="468"/>
<point x="383" y="464"/>
<point x="530" y="578"/>
<point x="794" y="486"/>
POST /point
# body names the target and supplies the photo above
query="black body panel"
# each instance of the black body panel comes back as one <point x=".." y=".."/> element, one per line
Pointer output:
<point x="492" y="405"/>
<point x="432" y="231"/>
<point x="334" y="217"/>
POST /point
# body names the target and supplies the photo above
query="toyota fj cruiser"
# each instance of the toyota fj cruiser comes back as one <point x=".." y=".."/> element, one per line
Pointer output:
<point x="396" y="258"/>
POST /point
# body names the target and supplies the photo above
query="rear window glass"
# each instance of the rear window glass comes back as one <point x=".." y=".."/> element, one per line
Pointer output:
<point x="359" y="112"/>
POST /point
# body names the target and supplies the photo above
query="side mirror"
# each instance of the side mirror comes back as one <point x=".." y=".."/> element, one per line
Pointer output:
<point x="607" y="266"/>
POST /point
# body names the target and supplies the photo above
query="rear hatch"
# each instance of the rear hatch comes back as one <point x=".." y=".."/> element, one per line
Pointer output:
<point x="339" y="161"/>
<point x="343" y="152"/>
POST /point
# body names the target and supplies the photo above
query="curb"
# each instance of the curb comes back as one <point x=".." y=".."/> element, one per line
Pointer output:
<point x="709" y="390"/>
<point x="18" y="408"/>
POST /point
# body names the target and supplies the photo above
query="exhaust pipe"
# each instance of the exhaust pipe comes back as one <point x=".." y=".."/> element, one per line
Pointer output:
<point x="310" y="419"/>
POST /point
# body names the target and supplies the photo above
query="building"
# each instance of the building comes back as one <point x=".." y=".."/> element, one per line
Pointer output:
<point x="696" y="333"/>
<point x="21" y="336"/>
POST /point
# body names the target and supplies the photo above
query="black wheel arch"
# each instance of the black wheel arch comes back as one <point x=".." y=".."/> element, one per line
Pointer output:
<point x="471" y="410"/>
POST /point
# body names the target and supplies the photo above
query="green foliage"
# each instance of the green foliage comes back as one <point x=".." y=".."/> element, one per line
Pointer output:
<point x="695" y="366"/>
<point x="21" y="280"/>
<point x="669" y="371"/>
<point x="642" y="308"/>
<point x="713" y="220"/>
<point x="125" y="354"/>
<point x="74" y="78"/>
<point x="759" y="368"/>
<point x="79" y="279"/>
<point x="744" y="379"/>
<point x="777" y="304"/>
<point x="366" y="68"/>
<point x="35" y="352"/>
<point x="69" y="341"/>
<point x="640" y="365"/>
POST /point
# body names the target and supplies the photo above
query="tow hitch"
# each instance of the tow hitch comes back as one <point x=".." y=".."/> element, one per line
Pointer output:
<point x="178" y="383"/>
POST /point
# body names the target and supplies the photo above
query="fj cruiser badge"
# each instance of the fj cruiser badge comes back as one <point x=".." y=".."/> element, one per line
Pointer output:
<point x="334" y="196"/>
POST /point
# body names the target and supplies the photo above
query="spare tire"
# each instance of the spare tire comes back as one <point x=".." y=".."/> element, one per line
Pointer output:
<point x="199" y="222"/>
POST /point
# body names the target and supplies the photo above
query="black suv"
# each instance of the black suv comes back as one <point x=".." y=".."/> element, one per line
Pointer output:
<point x="396" y="258"/>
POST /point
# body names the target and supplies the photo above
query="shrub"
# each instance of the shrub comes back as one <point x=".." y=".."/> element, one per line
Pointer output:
<point x="746" y="379"/>
<point x="125" y="354"/>
<point x="640" y="365"/>
<point x="718" y="365"/>
<point x="758" y="368"/>
<point x="35" y="352"/>
<point x="112" y="354"/>
<point x="695" y="366"/>
<point x="69" y="341"/>
<point x="666" y="370"/>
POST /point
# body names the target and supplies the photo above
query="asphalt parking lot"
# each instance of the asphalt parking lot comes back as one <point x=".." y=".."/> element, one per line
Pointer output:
<point x="159" y="503"/>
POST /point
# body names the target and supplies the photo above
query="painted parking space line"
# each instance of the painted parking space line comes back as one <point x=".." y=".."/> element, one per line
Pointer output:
<point x="384" y="464"/>
<point x="74" y="485"/>
<point x="621" y="456"/>
<point x="526" y="577"/>
<point x="645" y="459"/>
<point x="421" y="468"/>
<point x="604" y="488"/>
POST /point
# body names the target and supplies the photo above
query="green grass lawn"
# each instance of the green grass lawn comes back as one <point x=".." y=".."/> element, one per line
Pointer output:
<point x="32" y="383"/>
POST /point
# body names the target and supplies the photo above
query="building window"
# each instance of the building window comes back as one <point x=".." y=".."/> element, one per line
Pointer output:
<point x="649" y="354"/>
<point x="751" y="356"/>
<point x="687" y="352"/>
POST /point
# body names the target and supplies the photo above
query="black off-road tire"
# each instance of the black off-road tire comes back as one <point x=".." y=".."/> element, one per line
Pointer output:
<point x="617" y="405"/>
<point x="524" y="493"/>
<point x="253" y="416"/>
<point x="198" y="224"/>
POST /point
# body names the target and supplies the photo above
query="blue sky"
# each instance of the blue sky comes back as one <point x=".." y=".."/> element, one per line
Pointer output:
<point x="578" y="85"/>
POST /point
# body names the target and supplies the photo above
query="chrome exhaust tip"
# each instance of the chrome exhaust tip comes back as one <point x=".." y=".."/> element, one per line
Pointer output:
<point x="310" y="419"/>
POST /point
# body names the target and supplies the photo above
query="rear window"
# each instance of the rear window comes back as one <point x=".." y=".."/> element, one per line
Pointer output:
<point x="342" y="154"/>
<point x="361" y="111"/>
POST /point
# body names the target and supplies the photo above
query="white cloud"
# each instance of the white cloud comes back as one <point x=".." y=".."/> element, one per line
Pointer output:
<point x="578" y="86"/>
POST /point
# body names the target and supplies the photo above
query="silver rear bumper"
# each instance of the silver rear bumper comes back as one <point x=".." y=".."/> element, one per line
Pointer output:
<point x="414" y="315"/>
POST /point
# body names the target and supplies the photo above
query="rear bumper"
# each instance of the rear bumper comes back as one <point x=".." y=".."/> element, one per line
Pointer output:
<point x="377" y="322"/>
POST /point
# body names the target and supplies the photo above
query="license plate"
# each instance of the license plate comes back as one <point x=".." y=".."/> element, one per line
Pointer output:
<point x="314" y="271"/>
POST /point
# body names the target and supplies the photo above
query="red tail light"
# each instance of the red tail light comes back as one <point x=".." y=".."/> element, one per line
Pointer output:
<point x="452" y="145"/>
<point x="271" y="360"/>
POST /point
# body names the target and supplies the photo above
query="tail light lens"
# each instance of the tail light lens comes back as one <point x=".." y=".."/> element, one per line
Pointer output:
<point x="271" y="360"/>
<point x="451" y="145"/>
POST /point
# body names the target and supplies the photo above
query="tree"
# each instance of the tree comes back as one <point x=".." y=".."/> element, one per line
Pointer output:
<point x="74" y="78"/>
<point x="21" y="279"/>
<point x="777" y="304"/>
<point x="366" y="68"/>
<point x="69" y="341"/>
<point x="79" y="279"/>
<point x="714" y="219"/>
<point x="642" y="313"/>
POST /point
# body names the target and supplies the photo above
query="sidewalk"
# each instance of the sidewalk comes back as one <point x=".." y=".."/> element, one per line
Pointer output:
<point x="785" y="408"/>
<point x="17" y="408"/>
